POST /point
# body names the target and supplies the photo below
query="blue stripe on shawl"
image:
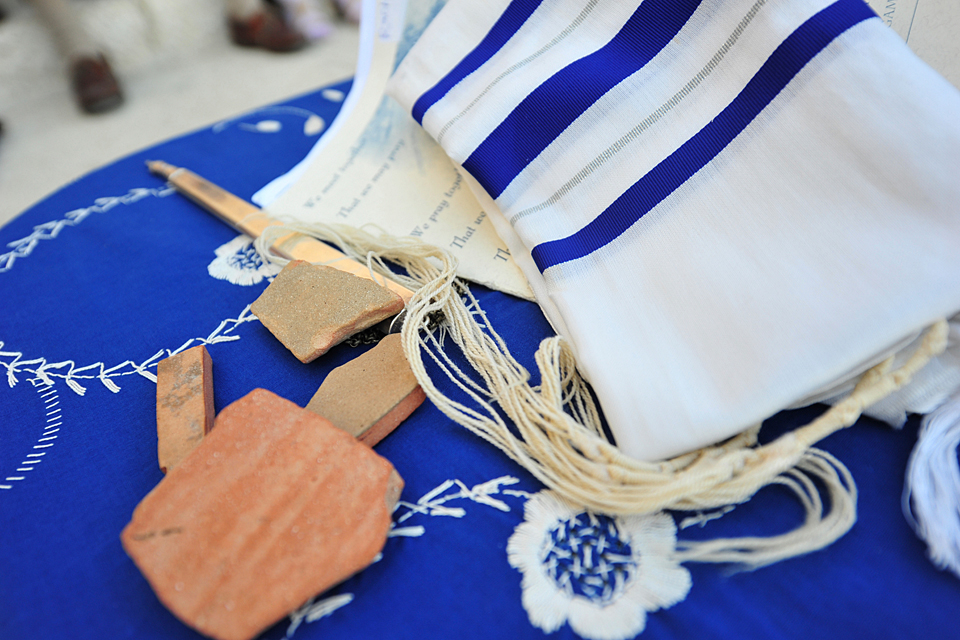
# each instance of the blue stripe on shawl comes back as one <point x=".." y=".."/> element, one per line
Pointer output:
<point x="507" y="24"/>
<point x="788" y="59"/>
<point x="546" y="112"/>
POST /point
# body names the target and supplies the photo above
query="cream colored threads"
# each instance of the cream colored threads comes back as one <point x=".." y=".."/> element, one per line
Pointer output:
<point x="561" y="441"/>
<point x="818" y="530"/>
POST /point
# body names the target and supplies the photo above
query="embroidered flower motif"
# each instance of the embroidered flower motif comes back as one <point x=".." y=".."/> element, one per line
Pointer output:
<point x="312" y="125"/>
<point x="238" y="262"/>
<point x="599" y="574"/>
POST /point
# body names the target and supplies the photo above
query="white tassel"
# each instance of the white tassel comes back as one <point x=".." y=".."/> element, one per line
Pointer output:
<point x="931" y="496"/>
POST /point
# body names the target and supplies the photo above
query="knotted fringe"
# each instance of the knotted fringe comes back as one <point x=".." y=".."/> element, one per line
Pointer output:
<point x="558" y="435"/>
<point x="931" y="496"/>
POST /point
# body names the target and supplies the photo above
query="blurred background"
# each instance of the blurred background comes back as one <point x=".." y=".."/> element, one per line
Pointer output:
<point x="179" y="71"/>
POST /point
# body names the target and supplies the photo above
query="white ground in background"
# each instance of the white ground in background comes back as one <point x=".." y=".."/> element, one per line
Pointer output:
<point x="179" y="73"/>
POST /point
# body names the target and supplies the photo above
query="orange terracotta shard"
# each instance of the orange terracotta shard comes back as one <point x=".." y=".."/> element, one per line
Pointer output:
<point x="184" y="404"/>
<point x="370" y="395"/>
<point x="274" y="506"/>
<point x="312" y="308"/>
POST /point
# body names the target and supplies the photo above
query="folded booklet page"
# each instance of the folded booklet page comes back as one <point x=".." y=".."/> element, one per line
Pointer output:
<point x="378" y="167"/>
<point x="929" y="27"/>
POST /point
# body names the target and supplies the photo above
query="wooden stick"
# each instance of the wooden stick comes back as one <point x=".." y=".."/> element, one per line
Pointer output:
<point x="249" y="219"/>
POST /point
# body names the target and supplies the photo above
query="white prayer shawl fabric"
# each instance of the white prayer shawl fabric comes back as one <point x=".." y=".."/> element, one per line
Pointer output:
<point x="726" y="206"/>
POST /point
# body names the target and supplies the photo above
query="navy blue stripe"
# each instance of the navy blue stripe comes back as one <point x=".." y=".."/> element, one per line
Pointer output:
<point x="507" y="24"/>
<point x="788" y="59"/>
<point x="550" y="108"/>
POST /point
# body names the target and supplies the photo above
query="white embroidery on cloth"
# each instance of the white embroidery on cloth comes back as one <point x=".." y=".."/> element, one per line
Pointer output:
<point x="239" y="263"/>
<point x="264" y="126"/>
<point x="313" y="124"/>
<point x="313" y="611"/>
<point x="333" y="95"/>
<point x="430" y="504"/>
<point x="601" y="575"/>
<point x="47" y="438"/>
<point x="48" y="372"/>
<point x="49" y="230"/>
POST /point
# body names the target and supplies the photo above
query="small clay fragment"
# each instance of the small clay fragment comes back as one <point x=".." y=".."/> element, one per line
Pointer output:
<point x="370" y="395"/>
<point x="275" y="506"/>
<point x="184" y="404"/>
<point x="311" y="308"/>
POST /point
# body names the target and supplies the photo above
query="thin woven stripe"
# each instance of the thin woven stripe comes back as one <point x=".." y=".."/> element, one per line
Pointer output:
<point x="542" y="116"/>
<point x="787" y="60"/>
<point x="560" y="37"/>
<point x="512" y="19"/>
<point x="634" y="134"/>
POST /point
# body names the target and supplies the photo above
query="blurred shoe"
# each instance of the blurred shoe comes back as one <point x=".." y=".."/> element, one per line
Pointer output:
<point x="267" y="30"/>
<point x="349" y="9"/>
<point x="94" y="84"/>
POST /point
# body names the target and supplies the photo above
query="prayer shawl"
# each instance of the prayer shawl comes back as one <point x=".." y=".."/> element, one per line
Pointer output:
<point x="726" y="207"/>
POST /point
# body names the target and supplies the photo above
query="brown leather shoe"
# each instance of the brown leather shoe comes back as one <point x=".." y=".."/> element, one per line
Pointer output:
<point x="267" y="30"/>
<point x="94" y="84"/>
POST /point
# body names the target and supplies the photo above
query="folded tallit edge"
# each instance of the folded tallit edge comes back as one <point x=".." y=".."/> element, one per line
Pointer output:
<point x="561" y="439"/>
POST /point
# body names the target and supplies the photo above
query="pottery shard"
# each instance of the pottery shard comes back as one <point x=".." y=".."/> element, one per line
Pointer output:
<point x="370" y="395"/>
<point x="184" y="404"/>
<point x="274" y="506"/>
<point x="311" y="308"/>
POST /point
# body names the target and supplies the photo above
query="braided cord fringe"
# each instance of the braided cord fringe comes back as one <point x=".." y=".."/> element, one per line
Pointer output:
<point x="557" y="434"/>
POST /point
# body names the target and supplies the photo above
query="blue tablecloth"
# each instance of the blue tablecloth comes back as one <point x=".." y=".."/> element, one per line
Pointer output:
<point x="102" y="279"/>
